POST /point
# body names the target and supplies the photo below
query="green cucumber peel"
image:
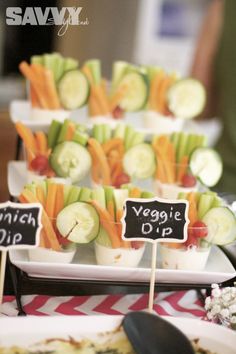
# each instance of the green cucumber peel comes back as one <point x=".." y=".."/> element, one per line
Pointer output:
<point x="98" y="195"/>
<point x="53" y="133"/>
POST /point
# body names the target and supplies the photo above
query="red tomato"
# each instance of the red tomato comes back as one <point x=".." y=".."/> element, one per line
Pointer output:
<point x="39" y="164"/>
<point x="191" y="241"/>
<point x="188" y="180"/>
<point x="123" y="178"/>
<point x="118" y="112"/>
<point x="136" y="244"/>
<point x="62" y="240"/>
<point x="199" y="229"/>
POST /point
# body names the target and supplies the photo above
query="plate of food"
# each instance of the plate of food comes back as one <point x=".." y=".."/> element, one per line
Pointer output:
<point x="80" y="333"/>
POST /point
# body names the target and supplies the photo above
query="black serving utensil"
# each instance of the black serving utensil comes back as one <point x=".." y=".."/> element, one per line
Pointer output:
<point x="151" y="334"/>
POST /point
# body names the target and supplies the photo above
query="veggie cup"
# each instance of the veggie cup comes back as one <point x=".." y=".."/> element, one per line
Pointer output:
<point x="111" y="250"/>
<point x="192" y="255"/>
<point x="162" y="124"/>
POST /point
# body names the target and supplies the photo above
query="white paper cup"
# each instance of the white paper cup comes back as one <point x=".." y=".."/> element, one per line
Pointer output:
<point x="192" y="258"/>
<point x="171" y="191"/>
<point x="160" y="124"/>
<point x="47" y="115"/>
<point x="118" y="257"/>
<point x="46" y="255"/>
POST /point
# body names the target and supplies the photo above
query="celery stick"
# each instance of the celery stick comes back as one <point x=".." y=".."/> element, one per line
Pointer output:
<point x="201" y="141"/>
<point x="49" y="63"/>
<point x="95" y="67"/>
<point x="70" y="64"/>
<point x="103" y="238"/>
<point x="152" y="71"/>
<point x="109" y="194"/>
<point x="74" y="194"/>
<point x="31" y="187"/>
<point x="175" y="140"/>
<point x="81" y="127"/>
<point x="204" y="204"/>
<point x="98" y="194"/>
<point x="137" y="138"/>
<point x="85" y="194"/>
<point x="191" y="143"/>
<point x="107" y="132"/>
<point x="182" y="195"/>
<point x="53" y="133"/>
<point x="147" y="194"/>
<point x="118" y="70"/>
<point x="119" y="131"/>
<point x="80" y="137"/>
<point x="36" y="59"/>
<point x="97" y="133"/>
<point x="129" y="134"/>
<point x="181" y="148"/>
<point x="59" y="66"/>
<point x="63" y="131"/>
<point x="120" y="195"/>
<point x="67" y="189"/>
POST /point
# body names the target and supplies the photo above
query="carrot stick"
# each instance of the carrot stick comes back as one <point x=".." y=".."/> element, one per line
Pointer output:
<point x="135" y="192"/>
<point x="154" y="90"/>
<point x="192" y="214"/>
<point x="29" y="73"/>
<point x="182" y="168"/>
<point x="33" y="97"/>
<point x="51" y="200"/>
<point x="87" y="72"/>
<point x="70" y="131"/>
<point x="116" y="170"/>
<point x="40" y="195"/>
<point x="119" y="214"/>
<point x="108" y="223"/>
<point x="118" y="96"/>
<point x="111" y="209"/>
<point x="96" y="150"/>
<point x="28" y="197"/>
<point x="97" y="91"/>
<point x="112" y="144"/>
<point x="50" y="90"/>
<point x="94" y="109"/>
<point x="42" y="143"/>
<point x="27" y="136"/>
<point x="162" y="97"/>
<point x="59" y="202"/>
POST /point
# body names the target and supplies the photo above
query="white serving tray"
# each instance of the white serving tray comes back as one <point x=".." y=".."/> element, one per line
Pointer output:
<point x="25" y="331"/>
<point x="84" y="267"/>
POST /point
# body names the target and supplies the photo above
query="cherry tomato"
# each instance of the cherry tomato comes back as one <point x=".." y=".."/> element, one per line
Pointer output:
<point x="199" y="229"/>
<point x="191" y="241"/>
<point x="137" y="244"/>
<point x="117" y="112"/>
<point x="123" y="178"/>
<point x="188" y="180"/>
<point x="39" y="164"/>
<point x="62" y="240"/>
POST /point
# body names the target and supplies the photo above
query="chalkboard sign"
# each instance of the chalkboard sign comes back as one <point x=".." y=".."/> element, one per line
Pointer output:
<point x="155" y="219"/>
<point x="20" y="225"/>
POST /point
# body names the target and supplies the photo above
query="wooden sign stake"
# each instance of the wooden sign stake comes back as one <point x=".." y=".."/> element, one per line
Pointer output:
<point x="152" y="280"/>
<point x="2" y="273"/>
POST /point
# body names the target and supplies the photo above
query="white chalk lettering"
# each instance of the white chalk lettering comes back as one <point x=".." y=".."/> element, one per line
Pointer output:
<point x="146" y="228"/>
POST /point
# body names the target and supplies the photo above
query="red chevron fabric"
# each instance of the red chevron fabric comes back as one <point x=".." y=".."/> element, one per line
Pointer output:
<point x="181" y="303"/>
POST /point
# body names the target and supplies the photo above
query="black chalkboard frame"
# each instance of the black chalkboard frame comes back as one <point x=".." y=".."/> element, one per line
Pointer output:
<point x="27" y="207"/>
<point x="144" y="201"/>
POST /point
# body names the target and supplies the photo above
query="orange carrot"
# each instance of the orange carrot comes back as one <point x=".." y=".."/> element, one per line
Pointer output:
<point x="40" y="195"/>
<point x="116" y="170"/>
<point x="96" y="150"/>
<point x="27" y="136"/>
<point x="182" y="168"/>
<point x="50" y="90"/>
<point x="94" y="109"/>
<point x="70" y="131"/>
<point x="119" y="214"/>
<point x="33" y="97"/>
<point x="154" y="90"/>
<point x="42" y="143"/>
<point x="51" y="200"/>
<point x="59" y="203"/>
<point x="192" y="214"/>
<point x="111" y="209"/>
<point x="97" y="91"/>
<point x="162" y="95"/>
<point x="28" y="197"/>
<point x="30" y="74"/>
<point x="108" y="223"/>
<point x="118" y="96"/>
<point x="135" y="192"/>
<point x="112" y="144"/>
<point x="87" y="72"/>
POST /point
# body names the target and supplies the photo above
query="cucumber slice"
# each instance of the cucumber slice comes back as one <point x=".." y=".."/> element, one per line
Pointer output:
<point x="72" y="160"/>
<point x="221" y="225"/>
<point x="206" y="164"/>
<point x="78" y="222"/>
<point x="139" y="161"/>
<point x="186" y="98"/>
<point x="137" y="93"/>
<point x="73" y="89"/>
